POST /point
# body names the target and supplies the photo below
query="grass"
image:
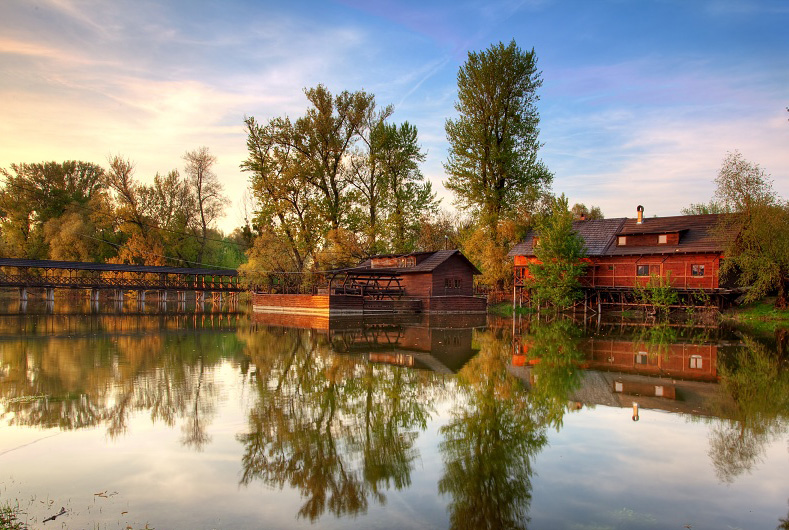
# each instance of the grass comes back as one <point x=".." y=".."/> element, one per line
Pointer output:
<point x="504" y="309"/>
<point x="761" y="315"/>
<point x="9" y="519"/>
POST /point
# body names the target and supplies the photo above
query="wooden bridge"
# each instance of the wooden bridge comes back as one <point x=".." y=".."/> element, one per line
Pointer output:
<point x="27" y="274"/>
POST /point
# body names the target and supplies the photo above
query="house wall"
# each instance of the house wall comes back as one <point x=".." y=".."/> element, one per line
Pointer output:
<point x="454" y="270"/>
<point x="621" y="271"/>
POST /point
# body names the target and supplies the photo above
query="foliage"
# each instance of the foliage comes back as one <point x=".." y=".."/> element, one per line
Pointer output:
<point x="341" y="168"/>
<point x="742" y="185"/>
<point x="9" y="518"/>
<point x="657" y="292"/>
<point x="560" y="252"/>
<point x="492" y="163"/>
<point x="701" y="208"/>
<point x="759" y="255"/>
<point x="35" y="194"/>
<point x="580" y="211"/>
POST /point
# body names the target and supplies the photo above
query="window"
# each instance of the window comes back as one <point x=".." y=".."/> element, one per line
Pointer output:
<point x="695" y="361"/>
<point x="621" y="241"/>
<point x="642" y="357"/>
<point x="642" y="270"/>
<point x="447" y="283"/>
<point x="662" y="239"/>
<point x="457" y="283"/>
<point x="697" y="270"/>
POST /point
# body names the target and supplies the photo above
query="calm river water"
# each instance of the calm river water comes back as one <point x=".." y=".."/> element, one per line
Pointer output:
<point x="182" y="419"/>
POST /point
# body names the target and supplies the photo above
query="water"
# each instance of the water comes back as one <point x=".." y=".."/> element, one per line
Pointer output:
<point x="201" y="420"/>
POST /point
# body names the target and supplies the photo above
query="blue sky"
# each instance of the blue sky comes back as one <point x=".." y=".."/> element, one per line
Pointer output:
<point x="640" y="103"/>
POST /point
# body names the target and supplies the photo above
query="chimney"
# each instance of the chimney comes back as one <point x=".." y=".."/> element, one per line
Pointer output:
<point x="583" y="217"/>
<point x="640" y="210"/>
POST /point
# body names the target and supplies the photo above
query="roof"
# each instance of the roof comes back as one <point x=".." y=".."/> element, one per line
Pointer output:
<point x="112" y="267"/>
<point x="699" y="233"/>
<point x="598" y="235"/>
<point x="429" y="264"/>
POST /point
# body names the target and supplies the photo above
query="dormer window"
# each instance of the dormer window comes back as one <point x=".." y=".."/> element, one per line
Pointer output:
<point x="662" y="239"/>
<point x="621" y="241"/>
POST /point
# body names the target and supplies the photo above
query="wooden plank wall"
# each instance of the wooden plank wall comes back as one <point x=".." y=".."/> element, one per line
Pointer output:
<point x="620" y="271"/>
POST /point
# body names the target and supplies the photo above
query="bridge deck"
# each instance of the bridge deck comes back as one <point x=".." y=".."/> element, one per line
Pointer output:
<point x="75" y="274"/>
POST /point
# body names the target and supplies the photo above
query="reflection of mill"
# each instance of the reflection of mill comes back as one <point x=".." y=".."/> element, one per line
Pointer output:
<point x="371" y="337"/>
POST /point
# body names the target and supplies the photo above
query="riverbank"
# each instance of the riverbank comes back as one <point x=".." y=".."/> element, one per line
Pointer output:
<point x="760" y="316"/>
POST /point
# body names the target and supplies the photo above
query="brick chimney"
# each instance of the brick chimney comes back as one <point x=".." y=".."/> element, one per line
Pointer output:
<point x="640" y="210"/>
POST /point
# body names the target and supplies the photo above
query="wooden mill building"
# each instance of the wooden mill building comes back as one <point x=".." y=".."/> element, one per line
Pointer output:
<point x="430" y="282"/>
<point x="686" y="250"/>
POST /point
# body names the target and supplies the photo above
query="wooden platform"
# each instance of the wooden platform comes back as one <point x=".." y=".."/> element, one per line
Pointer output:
<point x="343" y="304"/>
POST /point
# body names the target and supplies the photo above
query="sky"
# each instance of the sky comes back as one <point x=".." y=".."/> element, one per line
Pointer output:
<point x="641" y="99"/>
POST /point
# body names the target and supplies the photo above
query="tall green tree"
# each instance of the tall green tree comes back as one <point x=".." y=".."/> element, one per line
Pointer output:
<point x="408" y="196"/>
<point x="560" y="252"/>
<point x="757" y="252"/>
<point x="492" y="163"/>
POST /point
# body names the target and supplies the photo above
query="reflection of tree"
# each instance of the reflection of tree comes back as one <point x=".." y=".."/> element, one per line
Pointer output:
<point x="72" y="383"/>
<point x="657" y="339"/>
<point x="557" y="373"/>
<point x="337" y="428"/>
<point x="489" y="444"/>
<point x="757" y="408"/>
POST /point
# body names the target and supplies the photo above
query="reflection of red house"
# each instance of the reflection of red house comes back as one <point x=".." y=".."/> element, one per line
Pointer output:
<point x="624" y="252"/>
<point x="688" y="361"/>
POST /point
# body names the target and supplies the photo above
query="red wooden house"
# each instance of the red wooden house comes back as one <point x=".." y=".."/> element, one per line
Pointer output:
<point x="437" y="282"/>
<point x="623" y="252"/>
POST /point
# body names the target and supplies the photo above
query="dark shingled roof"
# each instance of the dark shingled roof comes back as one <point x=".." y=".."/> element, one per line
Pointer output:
<point x="427" y="265"/>
<point x="598" y="235"/>
<point x="80" y="265"/>
<point x="698" y="233"/>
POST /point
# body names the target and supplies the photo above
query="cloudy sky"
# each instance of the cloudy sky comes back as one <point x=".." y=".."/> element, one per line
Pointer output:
<point x="640" y="103"/>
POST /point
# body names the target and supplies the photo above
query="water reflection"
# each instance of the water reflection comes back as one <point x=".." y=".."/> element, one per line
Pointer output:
<point x="490" y="442"/>
<point x="754" y="404"/>
<point x="71" y="373"/>
<point x="738" y="384"/>
<point x="335" y="410"/>
<point x="340" y="406"/>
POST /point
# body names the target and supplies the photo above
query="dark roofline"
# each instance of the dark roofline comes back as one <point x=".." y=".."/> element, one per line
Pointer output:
<point x="111" y="267"/>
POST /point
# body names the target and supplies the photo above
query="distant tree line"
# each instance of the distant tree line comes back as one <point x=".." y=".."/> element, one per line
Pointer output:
<point x="81" y="211"/>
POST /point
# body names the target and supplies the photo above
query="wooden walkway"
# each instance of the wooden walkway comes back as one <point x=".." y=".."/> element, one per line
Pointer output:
<point x="26" y="274"/>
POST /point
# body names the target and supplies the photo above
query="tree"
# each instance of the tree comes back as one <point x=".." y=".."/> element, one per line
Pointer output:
<point x="207" y="190"/>
<point x="581" y="211"/>
<point x="759" y="253"/>
<point x="742" y="185"/>
<point x="560" y="252"/>
<point x="700" y="208"/>
<point x="492" y="163"/>
<point x="34" y="194"/>
<point x="287" y="205"/>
